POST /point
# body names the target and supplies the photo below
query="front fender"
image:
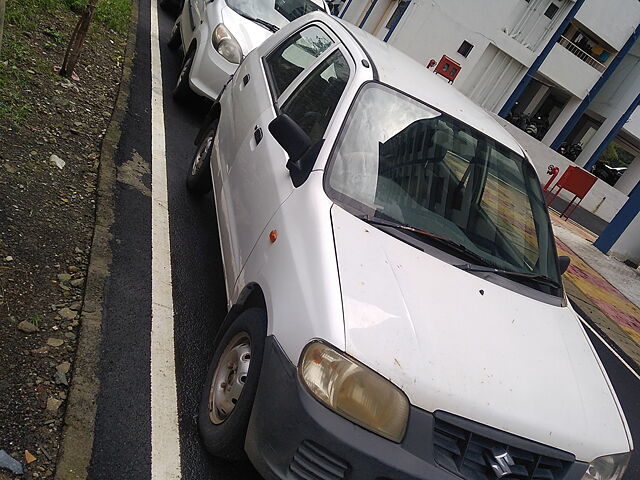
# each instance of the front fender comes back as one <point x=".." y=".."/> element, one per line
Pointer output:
<point x="298" y="273"/>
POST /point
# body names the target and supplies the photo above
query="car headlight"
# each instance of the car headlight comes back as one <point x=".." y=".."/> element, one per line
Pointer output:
<point x="609" y="467"/>
<point x="354" y="391"/>
<point x="226" y="44"/>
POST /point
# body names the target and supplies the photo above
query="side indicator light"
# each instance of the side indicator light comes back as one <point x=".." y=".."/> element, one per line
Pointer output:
<point x="273" y="236"/>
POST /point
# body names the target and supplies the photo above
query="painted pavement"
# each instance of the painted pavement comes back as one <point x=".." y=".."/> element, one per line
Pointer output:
<point x="603" y="295"/>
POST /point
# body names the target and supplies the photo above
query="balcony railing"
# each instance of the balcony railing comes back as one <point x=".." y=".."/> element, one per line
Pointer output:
<point x="581" y="54"/>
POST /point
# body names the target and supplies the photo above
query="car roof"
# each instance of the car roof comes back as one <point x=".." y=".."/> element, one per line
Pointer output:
<point x="400" y="71"/>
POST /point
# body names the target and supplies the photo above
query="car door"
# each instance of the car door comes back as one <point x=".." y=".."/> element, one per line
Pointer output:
<point x="258" y="181"/>
<point x="261" y="79"/>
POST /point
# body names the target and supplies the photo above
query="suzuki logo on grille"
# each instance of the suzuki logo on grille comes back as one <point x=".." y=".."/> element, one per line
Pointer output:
<point x="500" y="462"/>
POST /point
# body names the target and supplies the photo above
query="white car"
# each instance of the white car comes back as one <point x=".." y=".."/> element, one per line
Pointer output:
<point x="215" y="36"/>
<point x="396" y="309"/>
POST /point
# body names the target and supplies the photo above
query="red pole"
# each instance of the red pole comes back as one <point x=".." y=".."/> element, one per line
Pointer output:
<point x="553" y="171"/>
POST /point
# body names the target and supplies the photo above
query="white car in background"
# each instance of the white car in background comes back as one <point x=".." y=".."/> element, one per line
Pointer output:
<point x="216" y="35"/>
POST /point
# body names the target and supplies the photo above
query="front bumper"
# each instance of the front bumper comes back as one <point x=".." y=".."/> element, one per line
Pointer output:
<point x="210" y="71"/>
<point x="293" y="436"/>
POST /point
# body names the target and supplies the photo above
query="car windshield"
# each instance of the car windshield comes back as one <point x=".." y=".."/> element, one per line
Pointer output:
<point x="401" y="161"/>
<point x="275" y="12"/>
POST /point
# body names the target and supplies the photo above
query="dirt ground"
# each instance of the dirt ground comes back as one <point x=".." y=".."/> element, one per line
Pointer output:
<point x="47" y="209"/>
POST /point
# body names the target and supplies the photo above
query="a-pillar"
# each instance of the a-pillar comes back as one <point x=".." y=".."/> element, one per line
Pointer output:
<point x="559" y="123"/>
<point x="630" y="178"/>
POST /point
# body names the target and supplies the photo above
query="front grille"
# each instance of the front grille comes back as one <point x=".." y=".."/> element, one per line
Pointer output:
<point x="470" y="455"/>
<point x="312" y="462"/>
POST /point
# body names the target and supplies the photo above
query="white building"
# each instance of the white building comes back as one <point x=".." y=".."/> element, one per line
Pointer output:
<point x="575" y="63"/>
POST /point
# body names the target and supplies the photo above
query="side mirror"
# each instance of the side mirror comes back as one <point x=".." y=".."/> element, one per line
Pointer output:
<point x="295" y="141"/>
<point x="563" y="263"/>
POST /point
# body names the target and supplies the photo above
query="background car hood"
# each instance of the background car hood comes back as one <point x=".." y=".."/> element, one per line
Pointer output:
<point x="248" y="34"/>
<point x="455" y="342"/>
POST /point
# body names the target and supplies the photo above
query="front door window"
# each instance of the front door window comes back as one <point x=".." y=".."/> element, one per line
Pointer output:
<point x="312" y="104"/>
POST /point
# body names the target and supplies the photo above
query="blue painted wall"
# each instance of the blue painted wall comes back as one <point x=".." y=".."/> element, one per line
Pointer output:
<point x="393" y="27"/>
<point x="619" y="223"/>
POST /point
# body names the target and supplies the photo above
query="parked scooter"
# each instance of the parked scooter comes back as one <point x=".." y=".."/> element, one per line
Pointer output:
<point x="532" y="129"/>
<point x="520" y="120"/>
<point x="535" y="127"/>
<point x="572" y="152"/>
<point x="562" y="149"/>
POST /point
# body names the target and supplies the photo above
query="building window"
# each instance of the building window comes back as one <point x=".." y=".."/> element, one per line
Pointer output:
<point x="465" y="49"/>
<point x="552" y="10"/>
<point x="395" y="18"/>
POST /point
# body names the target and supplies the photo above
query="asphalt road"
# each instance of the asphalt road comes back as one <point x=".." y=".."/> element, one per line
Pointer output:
<point x="122" y="446"/>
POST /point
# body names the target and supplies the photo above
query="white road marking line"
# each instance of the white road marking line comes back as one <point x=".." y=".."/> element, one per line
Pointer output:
<point x="606" y="344"/>
<point x="165" y="444"/>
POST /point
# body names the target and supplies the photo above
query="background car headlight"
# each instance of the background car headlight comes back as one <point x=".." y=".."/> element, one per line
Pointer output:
<point x="354" y="391"/>
<point x="226" y="44"/>
<point x="609" y="467"/>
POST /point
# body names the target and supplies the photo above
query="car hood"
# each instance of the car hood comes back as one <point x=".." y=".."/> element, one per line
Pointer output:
<point x="248" y="34"/>
<point x="458" y="343"/>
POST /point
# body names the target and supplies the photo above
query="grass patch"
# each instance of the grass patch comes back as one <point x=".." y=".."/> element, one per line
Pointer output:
<point x="29" y="30"/>
<point x="114" y="14"/>
<point x="21" y="12"/>
<point x="36" y="320"/>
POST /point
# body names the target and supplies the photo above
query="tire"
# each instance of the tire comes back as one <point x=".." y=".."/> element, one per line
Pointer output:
<point x="175" y="40"/>
<point x="182" y="90"/>
<point x="199" y="175"/>
<point x="223" y="432"/>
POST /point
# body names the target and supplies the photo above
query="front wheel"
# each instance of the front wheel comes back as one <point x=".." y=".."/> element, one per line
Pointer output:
<point x="182" y="90"/>
<point x="199" y="175"/>
<point x="231" y="384"/>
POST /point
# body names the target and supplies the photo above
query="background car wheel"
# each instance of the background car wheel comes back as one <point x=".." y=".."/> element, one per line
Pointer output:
<point x="199" y="174"/>
<point x="230" y="388"/>
<point x="182" y="90"/>
<point x="174" y="39"/>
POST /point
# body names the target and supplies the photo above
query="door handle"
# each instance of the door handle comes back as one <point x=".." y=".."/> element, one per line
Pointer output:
<point x="257" y="134"/>
<point x="246" y="79"/>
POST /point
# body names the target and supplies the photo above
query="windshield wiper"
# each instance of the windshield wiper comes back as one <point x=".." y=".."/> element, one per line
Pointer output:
<point x="259" y="21"/>
<point x="538" y="277"/>
<point x="455" y="246"/>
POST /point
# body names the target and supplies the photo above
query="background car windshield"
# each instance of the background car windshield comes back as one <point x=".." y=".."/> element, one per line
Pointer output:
<point x="276" y="12"/>
<point x="420" y="167"/>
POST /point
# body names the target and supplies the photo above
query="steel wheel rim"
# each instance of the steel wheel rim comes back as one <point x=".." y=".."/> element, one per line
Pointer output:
<point x="201" y="155"/>
<point x="229" y="378"/>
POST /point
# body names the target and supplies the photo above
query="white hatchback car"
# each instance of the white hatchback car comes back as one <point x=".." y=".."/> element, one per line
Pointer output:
<point x="215" y="35"/>
<point x="396" y="303"/>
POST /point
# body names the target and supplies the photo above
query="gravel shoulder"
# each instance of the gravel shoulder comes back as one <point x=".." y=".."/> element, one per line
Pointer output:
<point x="51" y="132"/>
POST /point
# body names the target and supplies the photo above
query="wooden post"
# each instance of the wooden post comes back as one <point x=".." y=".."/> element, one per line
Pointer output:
<point x="76" y="41"/>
